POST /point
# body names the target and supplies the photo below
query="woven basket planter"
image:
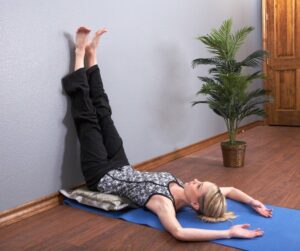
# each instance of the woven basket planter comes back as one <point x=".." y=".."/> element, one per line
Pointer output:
<point x="233" y="155"/>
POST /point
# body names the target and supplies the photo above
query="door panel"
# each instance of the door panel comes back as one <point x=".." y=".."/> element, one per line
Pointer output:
<point x="286" y="84"/>
<point x="281" y="27"/>
<point x="284" y="18"/>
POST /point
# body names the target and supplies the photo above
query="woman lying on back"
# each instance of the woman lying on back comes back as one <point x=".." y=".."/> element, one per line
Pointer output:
<point x="106" y="168"/>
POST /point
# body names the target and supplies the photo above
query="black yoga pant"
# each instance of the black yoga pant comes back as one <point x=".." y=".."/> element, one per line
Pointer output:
<point x="101" y="147"/>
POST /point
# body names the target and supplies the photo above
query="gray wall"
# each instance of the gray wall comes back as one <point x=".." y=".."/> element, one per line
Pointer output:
<point x="146" y="67"/>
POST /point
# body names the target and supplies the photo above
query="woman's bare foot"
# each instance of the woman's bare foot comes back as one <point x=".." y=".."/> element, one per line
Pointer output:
<point x="80" y="46"/>
<point x="91" y="48"/>
<point x="81" y="39"/>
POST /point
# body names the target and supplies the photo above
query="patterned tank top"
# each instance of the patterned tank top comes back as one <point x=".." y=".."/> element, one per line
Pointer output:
<point x="136" y="186"/>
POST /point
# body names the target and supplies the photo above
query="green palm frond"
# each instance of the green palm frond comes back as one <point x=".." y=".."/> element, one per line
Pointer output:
<point x="226" y="89"/>
<point x="254" y="59"/>
<point x="207" y="80"/>
<point x="206" y="61"/>
<point x="252" y="111"/>
<point x="217" y="40"/>
<point x="238" y="39"/>
<point x="255" y="75"/>
<point x="213" y="70"/>
<point x="198" y="102"/>
<point x="254" y="94"/>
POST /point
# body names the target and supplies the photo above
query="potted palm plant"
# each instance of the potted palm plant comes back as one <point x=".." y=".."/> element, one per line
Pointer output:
<point x="226" y="87"/>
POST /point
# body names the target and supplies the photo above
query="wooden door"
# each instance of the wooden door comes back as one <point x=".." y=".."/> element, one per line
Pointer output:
<point x="281" y="37"/>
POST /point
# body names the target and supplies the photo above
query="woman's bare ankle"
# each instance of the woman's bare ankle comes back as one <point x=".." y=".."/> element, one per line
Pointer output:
<point x="91" y="48"/>
<point x="78" y="66"/>
<point x="80" y="46"/>
<point x="79" y="58"/>
<point x="91" y="59"/>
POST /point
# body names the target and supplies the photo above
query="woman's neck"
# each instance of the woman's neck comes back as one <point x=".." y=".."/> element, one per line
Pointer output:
<point x="179" y="196"/>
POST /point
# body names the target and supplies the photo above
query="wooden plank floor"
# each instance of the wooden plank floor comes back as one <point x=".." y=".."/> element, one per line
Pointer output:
<point x="271" y="174"/>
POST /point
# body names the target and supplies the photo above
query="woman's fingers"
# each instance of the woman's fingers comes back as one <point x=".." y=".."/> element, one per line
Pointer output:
<point x="258" y="232"/>
<point x="267" y="212"/>
<point x="240" y="231"/>
<point x="261" y="209"/>
<point x="264" y="211"/>
<point x="255" y="232"/>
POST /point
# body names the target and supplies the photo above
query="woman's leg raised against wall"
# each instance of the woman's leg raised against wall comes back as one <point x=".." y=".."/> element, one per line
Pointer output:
<point x="111" y="137"/>
<point x="94" y="159"/>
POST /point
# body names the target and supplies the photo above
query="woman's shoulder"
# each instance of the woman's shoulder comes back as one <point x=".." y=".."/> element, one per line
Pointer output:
<point x="158" y="202"/>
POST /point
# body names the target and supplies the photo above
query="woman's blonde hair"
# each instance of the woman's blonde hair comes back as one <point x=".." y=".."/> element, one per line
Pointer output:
<point x="213" y="207"/>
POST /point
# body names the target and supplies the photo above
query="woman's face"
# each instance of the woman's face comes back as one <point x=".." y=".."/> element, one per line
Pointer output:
<point x="195" y="191"/>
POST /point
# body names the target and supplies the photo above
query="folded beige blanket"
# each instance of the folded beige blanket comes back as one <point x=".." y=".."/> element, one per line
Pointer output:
<point x="104" y="201"/>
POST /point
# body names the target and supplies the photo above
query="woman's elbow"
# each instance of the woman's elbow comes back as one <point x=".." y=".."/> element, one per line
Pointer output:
<point x="230" y="190"/>
<point x="178" y="234"/>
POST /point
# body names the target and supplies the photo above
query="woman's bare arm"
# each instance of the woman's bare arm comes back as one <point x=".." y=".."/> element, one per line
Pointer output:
<point x="167" y="215"/>
<point x="236" y="194"/>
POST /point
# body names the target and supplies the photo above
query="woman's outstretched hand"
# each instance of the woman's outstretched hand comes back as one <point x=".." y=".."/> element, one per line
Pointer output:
<point x="240" y="231"/>
<point x="260" y="208"/>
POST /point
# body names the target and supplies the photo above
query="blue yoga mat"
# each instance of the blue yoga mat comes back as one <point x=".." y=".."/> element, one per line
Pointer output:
<point x="281" y="232"/>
